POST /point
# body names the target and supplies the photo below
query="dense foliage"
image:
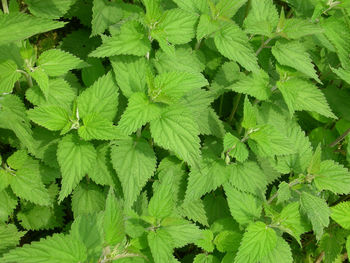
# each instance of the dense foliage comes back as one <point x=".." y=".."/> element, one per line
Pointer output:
<point x="168" y="131"/>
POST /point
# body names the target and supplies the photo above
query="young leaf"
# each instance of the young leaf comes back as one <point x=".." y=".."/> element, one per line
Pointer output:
<point x="75" y="158"/>
<point x="232" y="42"/>
<point x="51" y="117"/>
<point x="8" y="76"/>
<point x="341" y="214"/>
<point x="56" y="62"/>
<point x="235" y="147"/>
<point x="160" y="243"/>
<point x="249" y="114"/>
<point x="317" y="211"/>
<point x="258" y="241"/>
<point x="134" y="162"/>
<point x="228" y="9"/>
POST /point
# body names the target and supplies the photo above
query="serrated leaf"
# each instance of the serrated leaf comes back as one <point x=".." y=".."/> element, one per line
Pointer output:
<point x="113" y="222"/>
<point x="75" y="158"/>
<point x="283" y="192"/>
<point x="54" y="249"/>
<point x="343" y="74"/>
<point x="130" y="73"/>
<point x="249" y="114"/>
<point x="235" y="147"/>
<point x="207" y="26"/>
<point x="303" y="95"/>
<point x="334" y="177"/>
<point x="295" y="28"/>
<point x="175" y="130"/>
<point x="280" y="254"/>
<point x="204" y="258"/>
<point x="104" y="14"/>
<point x="317" y="211"/>
<point x="49" y="9"/>
<point x="19" y="26"/>
<point x="195" y="211"/>
<point x="228" y="9"/>
<point x="228" y="241"/>
<point x="232" y="42"/>
<point x="341" y="214"/>
<point x="42" y="79"/>
<point x="193" y="6"/>
<point x="53" y="118"/>
<point x="245" y="208"/>
<point x="256" y="84"/>
<point x="7" y="205"/>
<point x="56" y="62"/>
<point x="206" y="242"/>
<point x="10" y="237"/>
<point x="140" y="110"/>
<point x="258" y="241"/>
<point x="98" y="128"/>
<point x="160" y="243"/>
<point x="294" y="54"/>
<point x="331" y="246"/>
<point x="8" y="76"/>
<point x="132" y="40"/>
<point x="262" y="18"/>
<point x="101" y="98"/>
<point x="134" y="162"/>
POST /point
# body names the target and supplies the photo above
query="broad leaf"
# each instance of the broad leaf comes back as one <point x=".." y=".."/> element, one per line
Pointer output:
<point x="51" y="117"/>
<point x="341" y="214"/>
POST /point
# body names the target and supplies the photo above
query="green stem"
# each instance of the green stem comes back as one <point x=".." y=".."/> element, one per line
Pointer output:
<point x="236" y="100"/>
<point x="5" y="7"/>
<point x="263" y="45"/>
<point x="291" y="184"/>
<point x="28" y="77"/>
<point x="221" y="104"/>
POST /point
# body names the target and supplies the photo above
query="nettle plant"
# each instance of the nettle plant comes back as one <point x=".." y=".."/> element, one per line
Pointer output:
<point x="174" y="131"/>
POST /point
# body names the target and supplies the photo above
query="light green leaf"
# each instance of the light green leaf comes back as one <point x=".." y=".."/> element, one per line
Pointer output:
<point x="104" y="14"/>
<point x="228" y="241"/>
<point x="232" y="42"/>
<point x="101" y="98"/>
<point x="176" y="131"/>
<point x="55" y="249"/>
<point x="7" y="205"/>
<point x="42" y="79"/>
<point x="294" y="54"/>
<point x="317" y="211"/>
<point x="49" y="9"/>
<point x="206" y="242"/>
<point x="132" y="40"/>
<point x="51" y="117"/>
<point x="75" y="158"/>
<point x="280" y="254"/>
<point x="193" y="6"/>
<point x="98" y="128"/>
<point x="160" y="243"/>
<point x="204" y="258"/>
<point x="258" y="241"/>
<point x="8" y="76"/>
<point x="130" y="73"/>
<point x="140" y="110"/>
<point x="295" y="28"/>
<point x="195" y="211"/>
<point x="10" y="237"/>
<point x="341" y="214"/>
<point x="135" y="163"/>
<point x="56" y="62"/>
<point x="235" y="147"/>
<point x="245" y="208"/>
<point x="113" y="221"/>
<point x="334" y="177"/>
<point x="283" y="192"/>
<point x="87" y="198"/>
<point x="92" y="73"/>
<point x="228" y="8"/>
<point x="343" y="74"/>
<point x="332" y="247"/>
<point x="249" y="114"/>
<point x="303" y="95"/>
<point x="207" y="26"/>
<point x="262" y="18"/>
<point x="19" y="26"/>
<point x="256" y="84"/>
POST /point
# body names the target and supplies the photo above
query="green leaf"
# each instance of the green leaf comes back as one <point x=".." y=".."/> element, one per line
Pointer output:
<point x="92" y="73"/>
<point x="228" y="9"/>
<point x="160" y="243"/>
<point x="98" y="128"/>
<point x="317" y="211"/>
<point x="104" y="14"/>
<point x="283" y="192"/>
<point x="42" y="79"/>
<point x="193" y="6"/>
<point x="101" y="98"/>
<point x="228" y="241"/>
<point x="56" y="62"/>
<point x="195" y="211"/>
<point x="295" y="28"/>
<point x="8" y="76"/>
<point x="140" y="110"/>
<point x="207" y="26"/>
<point x="280" y="254"/>
<point x="75" y="158"/>
<point x="341" y="214"/>
<point x="19" y="26"/>
<point x="130" y="73"/>
<point x="258" y="241"/>
<point x="332" y="247"/>
<point x="232" y="42"/>
<point x="256" y="84"/>
<point x="55" y="249"/>
<point x="249" y="114"/>
<point x="132" y="40"/>
<point x="7" y="205"/>
<point x="245" y="208"/>
<point x="113" y="221"/>
<point x="303" y="95"/>
<point x="334" y="177"/>
<point x="206" y="242"/>
<point x="171" y="86"/>
<point x="294" y="54"/>
<point x="162" y="202"/>
<point x="262" y="18"/>
<point x="175" y="130"/>
<point x="175" y="26"/>
<point x="51" y="117"/>
<point x="10" y="237"/>
<point x="87" y="198"/>
<point x="204" y="258"/>
<point x="135" y="163"/>
<point x="49" y="9"/>
<point x="343" y="74"/>
<point x="235" y="147"/>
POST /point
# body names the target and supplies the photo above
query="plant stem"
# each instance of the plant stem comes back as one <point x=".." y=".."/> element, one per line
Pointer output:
<point x="236" y="100"/>
<point x="5" y="7"/>
<point x="263" y="45"/>
<point x="221" y="104"/>
<point x="291" y="184"/>
<point x="320" y="257"/>
<point x="340" y="138"/>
